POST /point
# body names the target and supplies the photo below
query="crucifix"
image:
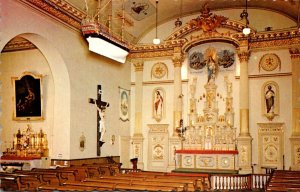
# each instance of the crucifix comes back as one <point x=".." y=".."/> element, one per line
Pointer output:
<point x="101" y="106"/>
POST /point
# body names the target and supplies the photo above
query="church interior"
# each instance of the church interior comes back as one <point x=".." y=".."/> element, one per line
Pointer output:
<point x="188" y="95"/>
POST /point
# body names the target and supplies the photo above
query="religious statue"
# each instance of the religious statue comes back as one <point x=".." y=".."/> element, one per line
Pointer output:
<point x="270" y="99"/>
<point x="211" y="70"/>
<point x="102" y="128"/>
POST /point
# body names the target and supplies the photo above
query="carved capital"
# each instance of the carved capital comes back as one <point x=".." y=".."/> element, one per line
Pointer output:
<point x="295" y="53"/>
<point x="138" y="65"/>
<point x="177" y="57"/>
<point x="244" y="56"/>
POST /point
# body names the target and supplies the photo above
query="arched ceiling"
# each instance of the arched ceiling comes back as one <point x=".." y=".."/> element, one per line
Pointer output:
<point x="139" y="15"/>
<point x="172" y="9"/>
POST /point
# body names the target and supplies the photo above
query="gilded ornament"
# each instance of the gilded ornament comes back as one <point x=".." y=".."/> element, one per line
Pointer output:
<point x="207" y="21"/>
<point x="159" y="70"/>
<point x="269" y="62"/>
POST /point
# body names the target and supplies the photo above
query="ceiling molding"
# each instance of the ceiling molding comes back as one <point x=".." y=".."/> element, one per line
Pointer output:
<point x="59" y="10"/>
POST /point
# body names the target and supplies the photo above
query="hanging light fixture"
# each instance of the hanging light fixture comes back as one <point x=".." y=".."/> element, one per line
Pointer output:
<point x="298" y="17"/>
<point x="244" y="16"/>
<point x="178" y="22"/>
<point x="156" y="41"/>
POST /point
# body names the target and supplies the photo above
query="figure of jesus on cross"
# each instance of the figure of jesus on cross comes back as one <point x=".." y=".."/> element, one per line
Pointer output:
<point x="101" y="107"/>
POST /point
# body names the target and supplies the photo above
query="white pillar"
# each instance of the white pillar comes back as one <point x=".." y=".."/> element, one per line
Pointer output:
<point x="177" y="102"/>
<point x="137" y="139"/>
<point x="244" y="139"/>
<point x="295" y="138"/>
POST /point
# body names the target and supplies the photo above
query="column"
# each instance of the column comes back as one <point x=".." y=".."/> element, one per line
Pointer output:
<point x="174" y="141"/>
<point x="177" y="103"/>
<point x="137" y="139"/>
<point x="295" y="137"/>
<point x="244" y="139"/>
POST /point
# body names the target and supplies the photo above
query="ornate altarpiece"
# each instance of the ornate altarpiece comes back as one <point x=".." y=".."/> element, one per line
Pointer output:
<point x="209" y="141"/>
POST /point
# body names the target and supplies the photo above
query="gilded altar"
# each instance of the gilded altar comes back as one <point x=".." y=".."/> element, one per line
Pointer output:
<point x="28" y="143"/>
<point x="209" y="140"/>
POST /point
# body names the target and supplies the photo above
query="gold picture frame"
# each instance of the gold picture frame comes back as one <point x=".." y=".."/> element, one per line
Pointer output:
<point x="27" y="98"/>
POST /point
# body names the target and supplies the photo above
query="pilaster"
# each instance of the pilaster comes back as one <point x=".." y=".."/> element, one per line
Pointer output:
<point x="244" y="139"/>
<point x="177" y="62"/>
<point x="139" y="67"/>
<point x="137" y="139"/>
<point x="295" y="137"/>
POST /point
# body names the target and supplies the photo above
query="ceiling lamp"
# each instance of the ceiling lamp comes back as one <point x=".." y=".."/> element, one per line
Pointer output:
<point x="298" y="17"/>
<point x="178" y="22"/>
<point x="244" y="16"/>
<point x="156" y="41"/>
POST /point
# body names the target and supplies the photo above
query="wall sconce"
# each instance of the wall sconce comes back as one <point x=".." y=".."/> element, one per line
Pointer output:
<point x="113" y="139"/>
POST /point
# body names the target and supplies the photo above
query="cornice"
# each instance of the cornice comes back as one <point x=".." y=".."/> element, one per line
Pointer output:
<point x="58" y="9"/>
<point x="186" y="29"/>
<point x="64" y="12"/>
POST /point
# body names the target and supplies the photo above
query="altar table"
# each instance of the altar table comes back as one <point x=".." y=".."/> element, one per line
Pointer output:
<point x="24" y="163"/>
<point x="207" y="159"/>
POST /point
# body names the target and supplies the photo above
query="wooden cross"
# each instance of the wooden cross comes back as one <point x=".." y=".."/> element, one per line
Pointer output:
<point x="102" y="105"/>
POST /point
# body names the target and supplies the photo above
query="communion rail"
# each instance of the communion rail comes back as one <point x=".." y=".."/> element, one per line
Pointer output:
<point x="238" y="182"/>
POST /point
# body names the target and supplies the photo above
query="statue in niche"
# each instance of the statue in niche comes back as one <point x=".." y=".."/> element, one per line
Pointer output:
<point x="270" y="99"/>
<point x="211" y="70"/>
<point x="211" y="64"/>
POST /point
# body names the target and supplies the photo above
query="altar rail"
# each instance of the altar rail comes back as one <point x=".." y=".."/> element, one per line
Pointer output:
<point x="238" y="182"/>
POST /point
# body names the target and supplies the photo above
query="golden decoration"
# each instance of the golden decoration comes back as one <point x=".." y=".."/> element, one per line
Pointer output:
<point x="269" y="62"/>
<point x="159" y="70"/>
<point x="207" y="21"/>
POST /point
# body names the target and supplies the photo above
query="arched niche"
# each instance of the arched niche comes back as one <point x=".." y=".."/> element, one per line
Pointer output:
<point x="60" y="123"/>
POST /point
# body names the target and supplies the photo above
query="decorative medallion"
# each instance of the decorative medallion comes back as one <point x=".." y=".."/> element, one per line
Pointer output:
<point x="269" y="62"/>
<point x="158" y="152"/>
<point x="225" y="162"/>
<point x="139" y="9"/>
<point x="271" y="154"/>
<point x="159" y="70"/>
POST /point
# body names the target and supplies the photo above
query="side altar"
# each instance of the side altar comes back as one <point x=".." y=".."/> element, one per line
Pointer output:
<point x="208" y="142"/>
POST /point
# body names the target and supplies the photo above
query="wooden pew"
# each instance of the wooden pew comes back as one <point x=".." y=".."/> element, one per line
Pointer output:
<point x="122" y="186"/>
<point x="67" y="188"/>
<point x="281" y="180"/>
<point x="62" y="174"/>
<point x="80" y="172"/>
<point x="19" y="181"/>
<point x="97" y="185"/>
<point x="134" y="181"/>
<point x="10" y="182"/>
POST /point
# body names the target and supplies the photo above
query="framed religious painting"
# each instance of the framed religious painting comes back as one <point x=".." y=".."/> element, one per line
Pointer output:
<point x="158" y="104"/>
<point x="124" y="104"/>
<point x="27" y="97"/>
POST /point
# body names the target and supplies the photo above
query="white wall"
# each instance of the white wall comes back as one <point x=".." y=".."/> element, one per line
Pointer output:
<point x="76" y="73"/>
